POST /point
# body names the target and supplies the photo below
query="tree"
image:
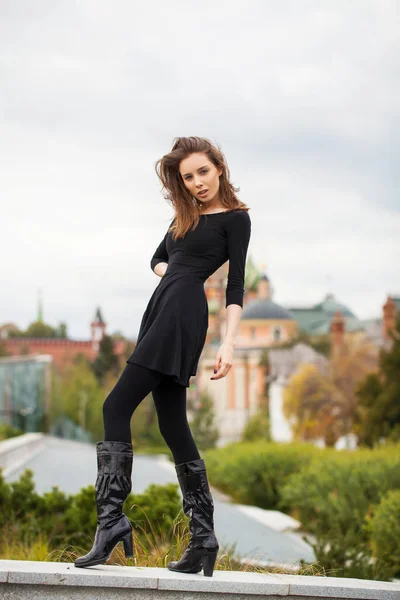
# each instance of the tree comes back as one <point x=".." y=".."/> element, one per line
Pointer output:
<point x="257" y="427"/>
<point x="307" y="400"/>
<point x="378" y="415"/>
<point x="145" y="429"/>
<point x="321" y="343"/>
<point x="61" y="331"/>
<point x="38" y="329"/>
<point x="118" y="335"/>
<point x="78" y="395"/>
<point x="324" y="404"/>
<point x="106" y="360"/>
<point x="265" y="365"/>
<point x="348" y="368"/>
<point x="204" y="429"/>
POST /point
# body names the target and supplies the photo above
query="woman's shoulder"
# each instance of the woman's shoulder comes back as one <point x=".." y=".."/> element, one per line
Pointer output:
<point x="243" y="212"/>
<point x="239" y="215"/>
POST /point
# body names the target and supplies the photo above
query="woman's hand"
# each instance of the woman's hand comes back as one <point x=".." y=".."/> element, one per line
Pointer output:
<point x="160" y="269"/>
<point x="223" y="361"/>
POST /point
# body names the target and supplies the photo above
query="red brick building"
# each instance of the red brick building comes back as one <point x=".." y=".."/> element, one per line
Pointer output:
<point x="62" y="350"/>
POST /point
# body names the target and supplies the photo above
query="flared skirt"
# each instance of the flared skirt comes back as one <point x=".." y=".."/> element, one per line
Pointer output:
<point x="174" y="327"/>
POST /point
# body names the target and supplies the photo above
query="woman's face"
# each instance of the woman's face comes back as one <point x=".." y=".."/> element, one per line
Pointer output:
<point x="200" y="174"/>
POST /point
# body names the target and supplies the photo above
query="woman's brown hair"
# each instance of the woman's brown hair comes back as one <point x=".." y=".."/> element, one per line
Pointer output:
<point x="186" y="207"/>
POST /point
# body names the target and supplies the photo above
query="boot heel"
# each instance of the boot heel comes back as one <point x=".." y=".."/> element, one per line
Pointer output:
<point x="128" y="544"/>
<point x="209" y="559"/>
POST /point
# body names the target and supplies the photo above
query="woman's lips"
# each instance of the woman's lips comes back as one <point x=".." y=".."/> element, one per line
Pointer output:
<point x="203" y="193"/>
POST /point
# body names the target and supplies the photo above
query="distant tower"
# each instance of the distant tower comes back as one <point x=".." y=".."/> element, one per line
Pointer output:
<point x="40" y="308"/>
<point x="98" y="327"/>
<point x="337" y="330"/>
<point x="389" y="317"/>
<point x="264" y="287"/>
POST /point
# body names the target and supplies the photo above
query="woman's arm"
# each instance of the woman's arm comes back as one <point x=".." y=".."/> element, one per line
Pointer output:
<point x="238" y="231"/>
<point x="233" y="316"/>
<point x="160" y="255"/>
<point x="159" y="260"/>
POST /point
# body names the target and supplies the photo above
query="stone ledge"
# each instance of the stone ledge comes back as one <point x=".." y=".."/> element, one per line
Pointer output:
<point x="36" y="579"/>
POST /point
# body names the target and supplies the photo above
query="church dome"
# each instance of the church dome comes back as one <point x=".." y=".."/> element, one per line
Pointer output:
<point x="330" y="305"/>
<point x="263" y="308"/>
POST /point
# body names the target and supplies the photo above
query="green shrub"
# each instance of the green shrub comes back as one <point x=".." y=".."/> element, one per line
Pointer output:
<point x="254" y="472"/>
<point x="71" y="519"/>
<point x="9" y="431"/>
<point x="384" y="530"/>
<point x="333" y="498"/>
<point x="341" y="486"/>
<point x="333" y="493"/>
<point x="154" y="511"/>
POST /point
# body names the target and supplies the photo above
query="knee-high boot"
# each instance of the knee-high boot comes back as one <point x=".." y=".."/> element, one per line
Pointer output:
<point x="202" y="550"/>
<point x="113" y="484"/>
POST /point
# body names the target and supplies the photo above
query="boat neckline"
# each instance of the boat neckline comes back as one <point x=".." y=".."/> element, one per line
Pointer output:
<point x="216" y="213"/>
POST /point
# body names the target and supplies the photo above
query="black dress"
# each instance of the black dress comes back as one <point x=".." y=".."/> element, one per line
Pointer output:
<point x="174" y="325"/>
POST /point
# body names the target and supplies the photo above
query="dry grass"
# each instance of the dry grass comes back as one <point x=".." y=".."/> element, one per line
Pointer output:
<point x="13" y="548"/>
<point x="152" y="549"/>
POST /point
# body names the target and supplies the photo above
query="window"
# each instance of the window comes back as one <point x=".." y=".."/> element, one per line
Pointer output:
<point x="277" y="333"/>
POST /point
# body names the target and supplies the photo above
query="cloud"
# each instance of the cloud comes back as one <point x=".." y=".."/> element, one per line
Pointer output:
<point x="303" y="98"/>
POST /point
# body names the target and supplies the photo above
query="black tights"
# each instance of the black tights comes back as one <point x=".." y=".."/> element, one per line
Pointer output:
<point x="134" y="384"/>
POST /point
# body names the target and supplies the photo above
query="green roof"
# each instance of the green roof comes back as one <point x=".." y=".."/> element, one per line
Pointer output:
<point x="330" y="305"/>
<point x="317" y="319"/>
<point x="323" y="327"/>
<point x="308" y="318"/>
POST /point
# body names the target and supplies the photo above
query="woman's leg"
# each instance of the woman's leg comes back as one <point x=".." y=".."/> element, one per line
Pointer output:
<point x="201" y="553"/>
<point x="170" y="402"/>
<point x="114" y="464"/>
<point x="131" y="388"/>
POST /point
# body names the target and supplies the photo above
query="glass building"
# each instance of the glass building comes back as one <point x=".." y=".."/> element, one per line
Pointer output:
<point x="25" y="390"/>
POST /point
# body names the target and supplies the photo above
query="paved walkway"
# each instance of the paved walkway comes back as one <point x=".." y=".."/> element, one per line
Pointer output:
<point x="258" y="534"/>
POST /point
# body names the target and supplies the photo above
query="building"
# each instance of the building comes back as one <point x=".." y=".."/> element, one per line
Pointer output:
<point x="264" y="327"/>
<point x="25" y="391"/>
<point x="316" y="319"/>
<point x="284" y="362"/>
<point x="62" y="350"/>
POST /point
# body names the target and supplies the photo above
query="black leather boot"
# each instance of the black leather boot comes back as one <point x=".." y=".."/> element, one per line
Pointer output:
<point x="202" y="550"/>
<point x="113" y="484"/>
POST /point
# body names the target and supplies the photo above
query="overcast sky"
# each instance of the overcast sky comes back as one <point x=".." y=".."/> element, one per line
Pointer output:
<point x="302" y="96"/>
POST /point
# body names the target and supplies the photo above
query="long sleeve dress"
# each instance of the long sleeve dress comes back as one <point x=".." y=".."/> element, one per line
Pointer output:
<point x="174" y="325"/>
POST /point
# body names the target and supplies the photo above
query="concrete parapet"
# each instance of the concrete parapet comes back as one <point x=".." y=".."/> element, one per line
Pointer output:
<point x="52" y="581"/>
<point x="17" y="450"/>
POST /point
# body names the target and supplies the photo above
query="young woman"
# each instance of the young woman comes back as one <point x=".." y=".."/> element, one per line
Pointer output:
<point x="210" y="226"/>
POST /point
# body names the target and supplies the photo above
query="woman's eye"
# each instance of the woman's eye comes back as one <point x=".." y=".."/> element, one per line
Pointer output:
<point x="202" y="172"/>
